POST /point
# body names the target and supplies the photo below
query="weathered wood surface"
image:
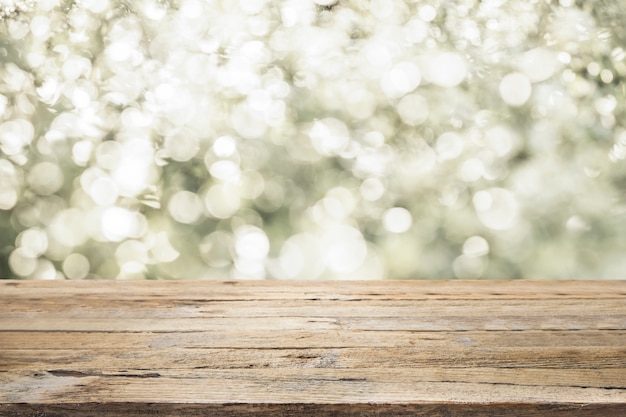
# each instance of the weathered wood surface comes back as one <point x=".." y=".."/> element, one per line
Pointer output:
<point x="385" y="348"/>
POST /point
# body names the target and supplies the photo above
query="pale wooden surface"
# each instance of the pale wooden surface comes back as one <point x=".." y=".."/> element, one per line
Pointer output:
<point x="385" y="348"/>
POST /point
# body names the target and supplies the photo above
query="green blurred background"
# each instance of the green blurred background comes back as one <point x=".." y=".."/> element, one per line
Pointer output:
<point x="301" y="139"/>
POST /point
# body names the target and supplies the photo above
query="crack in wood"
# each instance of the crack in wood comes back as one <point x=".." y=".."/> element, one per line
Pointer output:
<point x="79" y="374"/>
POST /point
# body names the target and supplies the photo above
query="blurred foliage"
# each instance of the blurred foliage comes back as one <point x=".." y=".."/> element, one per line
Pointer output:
<point x="206" y="139"/>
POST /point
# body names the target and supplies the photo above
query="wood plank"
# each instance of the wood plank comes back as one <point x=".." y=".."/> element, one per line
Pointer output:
<point x="181" y="358"/>
<point x="93" y="409"/>
<point x="223" y="324"/>
<point x="295" y="339"/>
<point x="466" y="348"/>
<point x="320" y="386"/>
<point x="312" y="290"/>
<point x="176" y="309"/>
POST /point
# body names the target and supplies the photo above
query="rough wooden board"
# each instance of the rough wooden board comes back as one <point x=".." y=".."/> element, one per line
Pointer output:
<point x="314" y="290"/>
<point x="173" y="309"/>
<point x="299" y="409"/>
<point x="297" y="339"/>
<point x="416" y="357"/>
<point x="313" y="348"/>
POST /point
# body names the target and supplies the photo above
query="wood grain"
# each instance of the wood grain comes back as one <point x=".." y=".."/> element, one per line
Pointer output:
<point x="268" y="348"/>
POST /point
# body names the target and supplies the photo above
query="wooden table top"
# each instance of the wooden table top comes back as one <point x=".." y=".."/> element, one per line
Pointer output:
<point x="270" y="348"/>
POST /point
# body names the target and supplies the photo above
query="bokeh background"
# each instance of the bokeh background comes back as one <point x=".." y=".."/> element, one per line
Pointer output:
<point x="301" y="139"/>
